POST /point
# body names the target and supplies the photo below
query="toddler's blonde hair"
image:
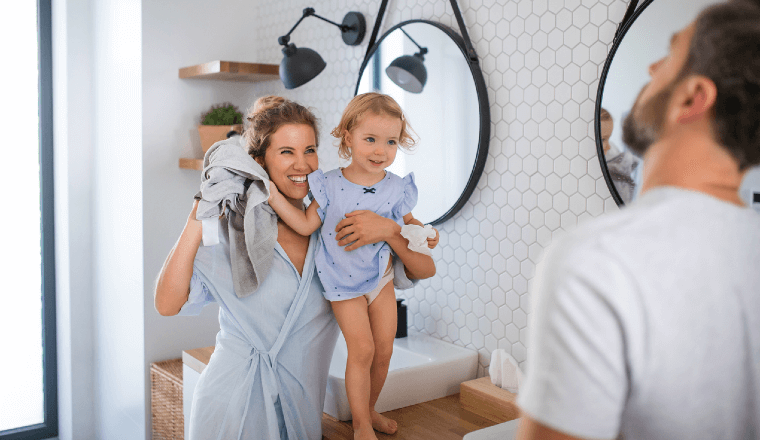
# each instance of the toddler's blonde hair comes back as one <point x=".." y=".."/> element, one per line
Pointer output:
<point x="378" y="104"/>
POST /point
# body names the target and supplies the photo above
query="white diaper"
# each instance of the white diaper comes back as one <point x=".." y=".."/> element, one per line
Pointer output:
<point x="387" y="277"/>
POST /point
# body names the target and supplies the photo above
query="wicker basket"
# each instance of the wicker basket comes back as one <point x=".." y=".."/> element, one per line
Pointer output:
<point x="166" y="400"/>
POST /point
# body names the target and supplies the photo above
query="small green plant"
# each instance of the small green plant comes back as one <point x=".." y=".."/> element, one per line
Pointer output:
<point x="222" y="114"/>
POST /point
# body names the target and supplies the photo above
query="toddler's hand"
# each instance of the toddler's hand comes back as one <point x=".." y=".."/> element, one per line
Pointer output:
<point x="433" y="242"/>
<point x="274" y="193"/>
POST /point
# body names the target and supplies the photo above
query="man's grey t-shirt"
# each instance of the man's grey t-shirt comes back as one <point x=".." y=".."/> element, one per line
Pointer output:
<point x="646" y="323"/>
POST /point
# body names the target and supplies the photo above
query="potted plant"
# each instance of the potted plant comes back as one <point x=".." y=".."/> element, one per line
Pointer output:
<point x="217" y="122"/>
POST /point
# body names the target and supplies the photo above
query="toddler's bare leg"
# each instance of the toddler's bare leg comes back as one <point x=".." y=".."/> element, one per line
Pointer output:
<point x="383" y="320"/>
<point x="353" y="319"/>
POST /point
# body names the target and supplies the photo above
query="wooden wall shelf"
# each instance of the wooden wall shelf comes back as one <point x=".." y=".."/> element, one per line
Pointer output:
<point x="232" y="71"/>
<point x="191" y="164"/>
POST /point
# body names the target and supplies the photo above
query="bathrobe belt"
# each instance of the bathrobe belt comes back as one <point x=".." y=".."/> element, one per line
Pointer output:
<point x="268" y="378"/>
<point x="266" y="361"/>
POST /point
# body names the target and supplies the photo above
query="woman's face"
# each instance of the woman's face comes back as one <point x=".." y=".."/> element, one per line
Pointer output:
<point x="291" y="155"/>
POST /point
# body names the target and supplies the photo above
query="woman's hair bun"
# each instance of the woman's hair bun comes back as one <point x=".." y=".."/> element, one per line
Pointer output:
<point x="263" y="104"/>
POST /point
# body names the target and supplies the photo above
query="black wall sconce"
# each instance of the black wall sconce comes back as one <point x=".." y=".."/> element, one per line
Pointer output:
<point x="301" y="65"/>
<point x="408" y="71"/>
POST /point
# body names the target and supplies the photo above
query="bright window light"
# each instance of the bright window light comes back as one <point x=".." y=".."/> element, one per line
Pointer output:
<point x="21" y="370"/>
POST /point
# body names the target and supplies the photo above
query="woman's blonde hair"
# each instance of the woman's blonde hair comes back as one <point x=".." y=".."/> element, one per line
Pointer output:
<point x="267" y="115"/>
<point x="378" y="104"/>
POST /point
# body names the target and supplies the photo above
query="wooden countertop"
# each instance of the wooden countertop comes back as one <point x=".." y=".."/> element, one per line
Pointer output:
<point x="440" y="419"/>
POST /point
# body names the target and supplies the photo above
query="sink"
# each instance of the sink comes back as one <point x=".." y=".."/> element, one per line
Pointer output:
<point x="503" y="431"/>
<point x="422" y="368"/>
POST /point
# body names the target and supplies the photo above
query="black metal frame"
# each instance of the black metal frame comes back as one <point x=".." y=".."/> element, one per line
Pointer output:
<point x="480" y="87"/>
<point x="49" y="428"/>
<point x="631" y="14"/>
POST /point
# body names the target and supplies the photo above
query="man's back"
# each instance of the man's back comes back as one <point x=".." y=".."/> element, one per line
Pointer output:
<point x="649" y="322"/>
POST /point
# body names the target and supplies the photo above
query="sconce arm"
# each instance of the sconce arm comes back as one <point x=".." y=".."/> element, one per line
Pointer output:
<point x="423" y="50"/>
<point x="309" y="12"/>
<point x="285" y="39"/>
<point x="343" y="28"/>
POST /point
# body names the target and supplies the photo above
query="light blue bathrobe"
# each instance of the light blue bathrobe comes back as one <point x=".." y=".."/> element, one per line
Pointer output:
<point x="267" y="376"/>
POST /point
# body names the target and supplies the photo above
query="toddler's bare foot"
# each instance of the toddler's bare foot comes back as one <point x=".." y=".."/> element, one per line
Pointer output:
<point x="366" y="433"/>
<point x="382" y="423"/>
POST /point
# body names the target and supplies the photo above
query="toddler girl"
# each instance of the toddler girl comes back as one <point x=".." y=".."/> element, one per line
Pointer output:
<point x="359" y="282"/>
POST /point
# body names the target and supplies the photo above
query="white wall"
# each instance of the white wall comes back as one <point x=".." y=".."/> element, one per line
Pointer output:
<point x="73" y="143"/>
<point x="117" y="220"/>
<point x="98" y="218"/>
<point x="175" y="35"/>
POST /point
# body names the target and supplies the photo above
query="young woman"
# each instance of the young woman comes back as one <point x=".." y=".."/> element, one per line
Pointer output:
<point x="268" y="374"/>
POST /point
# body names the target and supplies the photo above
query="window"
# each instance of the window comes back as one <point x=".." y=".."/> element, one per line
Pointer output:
<point x="28" y="401"/>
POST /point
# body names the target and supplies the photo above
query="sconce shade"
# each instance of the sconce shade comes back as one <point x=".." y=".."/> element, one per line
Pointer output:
<point x="299" y="66"/>
<point x="408" y="72"/>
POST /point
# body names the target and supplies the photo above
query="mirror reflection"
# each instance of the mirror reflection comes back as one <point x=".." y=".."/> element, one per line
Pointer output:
<point x="644" y="43"/>
<point x="425" y="71"/>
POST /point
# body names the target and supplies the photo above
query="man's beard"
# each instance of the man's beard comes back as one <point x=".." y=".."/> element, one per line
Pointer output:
<point x="643" y="125"/>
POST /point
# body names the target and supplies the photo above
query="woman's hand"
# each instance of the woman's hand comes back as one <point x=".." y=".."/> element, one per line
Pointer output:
<point x="363" y="227"/>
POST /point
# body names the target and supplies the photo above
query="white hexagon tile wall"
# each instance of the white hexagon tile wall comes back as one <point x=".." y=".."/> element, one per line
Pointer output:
<point x="541" y="61"/>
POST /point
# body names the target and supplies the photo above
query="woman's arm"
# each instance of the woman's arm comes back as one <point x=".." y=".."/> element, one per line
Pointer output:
<point x="366" y="227"/>
<point x="173" y="282"/>
<point x="303" y="222"/>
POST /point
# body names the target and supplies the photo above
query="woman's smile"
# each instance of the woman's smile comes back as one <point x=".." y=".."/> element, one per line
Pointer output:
<point x="299" y="180"/>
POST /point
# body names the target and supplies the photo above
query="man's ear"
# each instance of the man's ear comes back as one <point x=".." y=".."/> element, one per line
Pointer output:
<point x="700" y="96"/>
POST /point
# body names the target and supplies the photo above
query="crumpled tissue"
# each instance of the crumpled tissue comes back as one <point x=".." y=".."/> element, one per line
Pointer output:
<point x="417" y="236"/>
<point x="504" y="371"/>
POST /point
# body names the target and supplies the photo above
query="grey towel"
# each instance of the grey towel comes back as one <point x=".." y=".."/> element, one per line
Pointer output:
<point x="236" y="185"/>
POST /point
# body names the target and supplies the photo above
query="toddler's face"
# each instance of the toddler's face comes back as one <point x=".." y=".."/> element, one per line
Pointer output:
<point x="374" y="142"/>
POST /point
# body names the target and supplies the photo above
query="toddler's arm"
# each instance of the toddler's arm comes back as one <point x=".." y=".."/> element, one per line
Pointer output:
<point x="303" y="222"/>
<point x="410" y="220"/>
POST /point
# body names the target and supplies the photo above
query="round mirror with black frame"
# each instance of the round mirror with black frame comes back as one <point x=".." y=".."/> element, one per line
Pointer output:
<point x="642" y="40"/>
<point x="425" y="67"/>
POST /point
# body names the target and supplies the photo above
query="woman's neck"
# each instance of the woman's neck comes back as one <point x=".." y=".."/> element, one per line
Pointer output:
<point x="298" y="203"/>
<point x="358" y="176"/>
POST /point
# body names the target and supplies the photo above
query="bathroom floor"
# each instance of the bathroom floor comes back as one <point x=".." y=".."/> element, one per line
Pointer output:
<point x="441" y="419"/>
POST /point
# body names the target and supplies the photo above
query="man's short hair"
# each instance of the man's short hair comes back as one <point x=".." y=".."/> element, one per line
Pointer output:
<point x="725" y="49"/>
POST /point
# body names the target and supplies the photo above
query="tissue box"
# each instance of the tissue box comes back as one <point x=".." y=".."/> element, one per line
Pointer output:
<point x="485" y="399"/>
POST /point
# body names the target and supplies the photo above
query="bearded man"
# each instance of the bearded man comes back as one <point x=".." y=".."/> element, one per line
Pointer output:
<point x="646" y="322"/>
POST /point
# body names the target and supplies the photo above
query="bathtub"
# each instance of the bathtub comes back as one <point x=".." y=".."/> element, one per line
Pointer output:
<point x="422" y="368"/>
